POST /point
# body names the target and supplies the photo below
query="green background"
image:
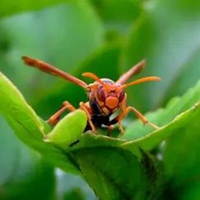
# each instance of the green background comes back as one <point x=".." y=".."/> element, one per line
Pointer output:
<point x="103" y="37"/>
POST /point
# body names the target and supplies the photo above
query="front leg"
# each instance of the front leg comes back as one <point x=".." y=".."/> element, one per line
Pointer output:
<point x="88" y="112"/>
<point x="138" y="114"/>
<point x="53" y="120"/>
<point x="125" y="111"/>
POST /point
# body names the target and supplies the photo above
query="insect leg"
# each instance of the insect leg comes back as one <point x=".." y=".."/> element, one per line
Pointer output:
<point x="139" y="115"/>
<point x="114" y="121"/>
<point x="88" y="112"/>
<point x="110" y="125"/>
<point x="55" y="118"/>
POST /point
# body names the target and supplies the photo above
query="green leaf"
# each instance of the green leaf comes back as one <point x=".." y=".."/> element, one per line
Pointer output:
<point x="113" y="173"/>
<point x="68" y="130"/>
<point x="18" y="113"/>
<point x="185" y="106"/>
<point x="164" y="116"/>
<point x="181" y="155"/>
<point x="28" y="126"/>
<point x="153" y="139"/>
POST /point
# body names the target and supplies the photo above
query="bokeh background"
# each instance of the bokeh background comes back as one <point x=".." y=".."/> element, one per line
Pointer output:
<point x="106" y="37"/>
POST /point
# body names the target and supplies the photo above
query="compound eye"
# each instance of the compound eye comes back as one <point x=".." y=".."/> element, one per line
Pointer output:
<point x="101" y="94"/>
<point x="121" y="95"/>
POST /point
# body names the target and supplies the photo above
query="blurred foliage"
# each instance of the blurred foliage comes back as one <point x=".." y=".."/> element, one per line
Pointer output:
<point x="107" y="38"/>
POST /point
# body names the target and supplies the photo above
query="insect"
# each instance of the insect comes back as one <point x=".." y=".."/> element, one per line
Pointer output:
<point x="105" y="96"/>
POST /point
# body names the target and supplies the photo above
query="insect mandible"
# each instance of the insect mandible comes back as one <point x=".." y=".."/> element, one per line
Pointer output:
<point x="105" y="96"/>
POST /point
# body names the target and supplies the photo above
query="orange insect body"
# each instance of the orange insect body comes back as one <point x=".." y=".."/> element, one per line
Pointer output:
<point x="105" y="96"/>
<point x="108" y="96"/>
